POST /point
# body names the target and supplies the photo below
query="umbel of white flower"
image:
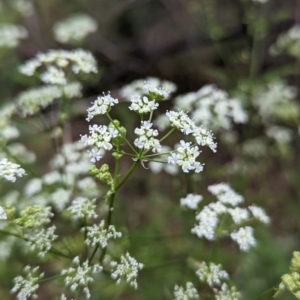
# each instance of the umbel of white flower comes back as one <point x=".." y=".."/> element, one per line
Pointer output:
<point x="82" y="208"/>
<point x="26" y="287"/>
<point x="74" y="29"/>
<point x="228" y="200"/>
<point x="127" y="268"/>
<point x="53" y="66"/>
<point x="10" y="171"/>
<point x="81" y="275"/>
<point x="11" y="34"/>
<point x="185" y="294"/>
<point x="98" y="234"/>
<point x="211" y="273"/>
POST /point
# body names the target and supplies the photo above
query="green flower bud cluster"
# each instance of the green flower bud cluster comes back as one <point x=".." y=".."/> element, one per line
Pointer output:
<point x="102" y="174"/>
<point x="118" y="140"/>
<point x="292" y="280"/>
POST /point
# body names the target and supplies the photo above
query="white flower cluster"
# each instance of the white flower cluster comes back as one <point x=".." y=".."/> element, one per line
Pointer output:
<point x="25" y="7"/>
<point x="3" y="215"/>
<point x="28" y="285"/>
<point x="10" y="171"/>
<point x="31" y="101"/>
<point x="226" y="293"/>
<point x="138" y="88"/>
<point x="288" y="42"/>
<point x="127" y="268"/>
<point x="74" y="29"/>
<point x="211" y="273"/>
<point x="182" y="122"/>
<point x="280" y="134"/>
<point x="56" y="64"/>
<point x="146" y="137"/>
<point x="80" y="275"/>
<point x="100" y="138"/>
<point x="83" y="208"/>
<point x="98" y="234"/>
<point x="41" y="240"/>
<point x="185" y="294"/>
<point x="185" y="156"/>
<point x="210" y="107"/>
<point x="142" y="104"/>
<point x="101" y="106"/>
<point x="228" y="201"/>
<point x="11" y="34"/>
<point x="191" y="201"/>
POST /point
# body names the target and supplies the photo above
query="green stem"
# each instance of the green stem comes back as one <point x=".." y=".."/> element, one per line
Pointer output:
<point x="127" y="174"/>
<point x="169" y="133"/>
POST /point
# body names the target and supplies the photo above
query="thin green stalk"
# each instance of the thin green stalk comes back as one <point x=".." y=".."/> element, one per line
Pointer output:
<point x="52" y="250"/>
<point x="127" y="174"/>
<point x="169" y="133"/>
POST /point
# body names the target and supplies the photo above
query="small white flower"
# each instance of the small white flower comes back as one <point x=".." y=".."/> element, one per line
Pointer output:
<point x="101" y="106"/>
<point x="191" y="201"/>
<point x="238" y="214"/>
<point x="95" y="154"/>
<point x="9" y="170"/>
<point x="142" y="104"/>
<point x="53" y="75"/>
<point x="225" y="194"/>
<point x="74" y="29"/>
<point x="146" y="137"/>
<point x="185" y="294"/>
<point x="181" y="121"/>
<point x="28" y="285"/>
<point x="100" y="137"/>
<point x="41" y="240"/>
<point x="259" y="214"/>
<point x="60" y="198"/>
<point x="227" y="293"/>
<point x="185" y="156"/>
<point x="98" y="234"/>
<point x="80" y="275"/>
<point x="11" y="34"/>
<point x="244" y="237"/>
<point x="83" y="208"/>
<point x="211" y="273"/>
<point x="33" y="186"/>
<point x="127" y="268"/>
<point x="208" y="221"/>
<point x="3" y="215"/>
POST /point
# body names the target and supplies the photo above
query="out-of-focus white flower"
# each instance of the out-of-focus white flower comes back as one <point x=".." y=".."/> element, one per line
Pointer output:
<point x="3" y="215"/>
<point x="288" y="42"/>
<point x="127" y="268"/>
<point x="244" y="238"/>
<point x="10" y="171"/>
<point x="191" y="201"/>
<point x="225" y="194"/>
<point x="227" y="293"/>
<point x="24" y="7"/>
<point x="74" y="29"/>
<point x="31" y="101"/>
<point x="60" y="198"/>
<point x="11" y="34"/>
<point x="185" y="294"/>
<point x="239" y="215"/>
<point x="41" y="240"/>
<point x="212" y="108"/>
<point x="137" y="88"/>
<point x="98" y="234"/>
<point x="259" y="214"/>
<point x="280" y="134"/>
<point x="208" y="221"/>
<point x="27" y="286"/>
<point x="60" y="63"/>
<point x="33" y="186"/>
<point x="83" y="208"/>
<point x="211" y="273"/>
